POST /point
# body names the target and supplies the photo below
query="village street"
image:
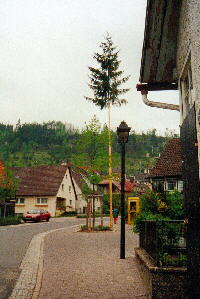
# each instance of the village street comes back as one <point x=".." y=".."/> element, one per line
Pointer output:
<point x="14" y="244"/>
<point x="89" y="266"/>
<point x="80" y="265"/>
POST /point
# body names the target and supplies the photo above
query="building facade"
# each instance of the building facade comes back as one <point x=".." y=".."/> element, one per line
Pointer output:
<point x="171" y="61"/>
<point x="45" y="187"/>
<point x="167" y="173"/>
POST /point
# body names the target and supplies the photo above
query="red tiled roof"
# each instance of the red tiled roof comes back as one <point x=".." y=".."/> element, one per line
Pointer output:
<point x="128" y="185"/>
<point x="170" y="161"/>
<point x="39" y="180"/>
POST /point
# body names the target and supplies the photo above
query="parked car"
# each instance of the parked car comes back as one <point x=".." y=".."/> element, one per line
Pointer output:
<point x="36" y="215"/>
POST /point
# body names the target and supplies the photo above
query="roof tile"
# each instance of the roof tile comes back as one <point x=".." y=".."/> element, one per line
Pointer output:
<point x="39" y="180"/>
<point x="170" y="161"/>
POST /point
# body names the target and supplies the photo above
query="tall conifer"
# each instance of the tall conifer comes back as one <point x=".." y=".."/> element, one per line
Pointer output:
<point x="106" y="79"/>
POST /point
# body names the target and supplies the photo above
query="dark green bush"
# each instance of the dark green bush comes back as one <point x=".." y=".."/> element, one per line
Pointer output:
<point x="69" y="214"/>
<point x="160" y="206"/>
<point x="85" y="216"/>
<point x="97" y="228"/>
<point x="174" y="202"/>
<point x="147" y="216"/>
<point x="10" y="220"/>
<point x="81" y="216"/>
<point x="102" y="228"/>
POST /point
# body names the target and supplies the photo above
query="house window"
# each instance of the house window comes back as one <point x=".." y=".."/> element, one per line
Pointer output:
<point x="70" y="202"/>
<point x="180" y="186"/>
<point x="20" y="201"/>
<point x="62" y="187"/>
<point x="42" y="201"/>
<point x="158" y="186"/>
<point x="171" y="185"/>
<point x="70" y="188"/>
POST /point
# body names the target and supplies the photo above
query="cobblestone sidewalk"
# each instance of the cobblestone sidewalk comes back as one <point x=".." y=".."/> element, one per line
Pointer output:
<point x="87" y="265"/>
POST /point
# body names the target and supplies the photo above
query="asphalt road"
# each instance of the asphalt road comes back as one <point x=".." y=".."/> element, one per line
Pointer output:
<point x="14" y="242"/>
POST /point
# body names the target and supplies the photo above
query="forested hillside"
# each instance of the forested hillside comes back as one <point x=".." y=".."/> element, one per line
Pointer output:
<point x="55" y="142"/>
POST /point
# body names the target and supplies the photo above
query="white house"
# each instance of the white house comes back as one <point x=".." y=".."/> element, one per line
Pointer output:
<point x="47" y="187"/>
<point x="79" y="176"/>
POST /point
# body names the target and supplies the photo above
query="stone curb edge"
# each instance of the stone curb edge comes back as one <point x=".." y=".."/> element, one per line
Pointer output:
<point x="29" y="283"/>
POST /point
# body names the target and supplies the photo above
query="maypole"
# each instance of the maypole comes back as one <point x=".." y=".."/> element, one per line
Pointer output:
<point x="110" y="167"/>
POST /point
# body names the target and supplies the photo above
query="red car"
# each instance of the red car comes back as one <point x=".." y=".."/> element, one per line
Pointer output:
<point x="36" y="215"/>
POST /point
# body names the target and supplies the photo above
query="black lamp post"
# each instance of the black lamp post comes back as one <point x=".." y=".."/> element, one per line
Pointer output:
<point x="123" y="134"/>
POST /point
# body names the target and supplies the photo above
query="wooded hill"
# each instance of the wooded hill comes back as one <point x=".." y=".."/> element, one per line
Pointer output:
<point x="55" y="142"/>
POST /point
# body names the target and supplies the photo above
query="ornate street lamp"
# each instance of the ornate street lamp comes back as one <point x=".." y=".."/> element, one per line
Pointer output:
<point x="123" y="134"/>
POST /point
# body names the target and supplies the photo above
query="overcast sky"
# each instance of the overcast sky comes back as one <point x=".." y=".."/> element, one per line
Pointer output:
<point x="46" y="47"/>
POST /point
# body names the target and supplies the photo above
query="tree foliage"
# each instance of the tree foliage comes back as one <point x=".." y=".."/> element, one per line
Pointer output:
<point x="160" y="206"/>
<point x="106" y="79"/>
<point x="55" y="142"/>
<point x="8" y="184"/>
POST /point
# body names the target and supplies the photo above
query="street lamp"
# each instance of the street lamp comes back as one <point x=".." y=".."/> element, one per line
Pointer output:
<point x="123" y="134"/>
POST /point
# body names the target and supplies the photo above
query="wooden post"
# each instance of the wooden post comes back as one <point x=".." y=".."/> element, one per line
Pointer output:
<point x="89" y="227"/>
<point x="93" y="206"/>
<point x="4" y="212"/>
<point x="87" y="218"/>
<point x="101" y="207"/>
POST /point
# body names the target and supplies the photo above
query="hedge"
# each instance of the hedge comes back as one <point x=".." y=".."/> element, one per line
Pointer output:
<point x="10" y="220"/>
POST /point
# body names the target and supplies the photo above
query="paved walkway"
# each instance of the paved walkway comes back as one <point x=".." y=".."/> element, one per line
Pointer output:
<point x="87" y="265"/>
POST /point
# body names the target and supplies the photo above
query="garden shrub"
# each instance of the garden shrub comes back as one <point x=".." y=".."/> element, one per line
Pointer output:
<point x="96" y="228"/>
<point x="81" y="216"/>
<point x="69" y="214"/>
<point x="10" y="220"/>
<point x="160" y="206"/>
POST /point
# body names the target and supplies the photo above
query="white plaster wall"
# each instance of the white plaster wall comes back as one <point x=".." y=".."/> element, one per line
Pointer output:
<point x="65" y="193"/>
<point x="189" y="40"/>
<point x="80" y="202"/>
<point x="31" y="203"/>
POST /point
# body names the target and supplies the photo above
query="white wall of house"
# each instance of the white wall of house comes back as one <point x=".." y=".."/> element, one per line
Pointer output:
<point x="66" y="191"/>
<point x="97" y="204"/>
<point x="80" y="202"/>
<point x="31" y="202"/>
<point x="188" y="55"/>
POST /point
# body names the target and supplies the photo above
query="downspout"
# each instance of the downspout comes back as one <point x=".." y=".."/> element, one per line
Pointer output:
<point x="147" y="102"/>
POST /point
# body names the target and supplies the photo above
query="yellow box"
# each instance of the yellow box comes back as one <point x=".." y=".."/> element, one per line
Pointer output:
<point x="133" y="208"/>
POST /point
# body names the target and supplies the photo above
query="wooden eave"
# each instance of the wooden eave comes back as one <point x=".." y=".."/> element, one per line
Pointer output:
<point x="158" y="64"/>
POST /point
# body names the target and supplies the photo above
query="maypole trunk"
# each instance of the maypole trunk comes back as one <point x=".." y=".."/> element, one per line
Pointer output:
<point x="110" y="168"/>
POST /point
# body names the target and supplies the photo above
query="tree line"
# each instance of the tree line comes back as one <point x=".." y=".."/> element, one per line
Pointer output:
<point x="54" y="142"/>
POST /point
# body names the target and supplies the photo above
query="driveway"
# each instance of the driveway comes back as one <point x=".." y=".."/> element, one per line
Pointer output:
<point x="14" y="242"/>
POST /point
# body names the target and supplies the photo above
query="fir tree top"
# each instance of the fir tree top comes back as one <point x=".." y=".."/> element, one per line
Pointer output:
<point x="105" y="81"/>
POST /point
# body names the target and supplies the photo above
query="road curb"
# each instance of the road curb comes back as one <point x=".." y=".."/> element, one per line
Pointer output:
<point x="29" y="283"/>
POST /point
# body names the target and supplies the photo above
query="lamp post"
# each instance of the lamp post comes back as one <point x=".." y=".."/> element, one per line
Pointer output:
<point x="123" y="134"/>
